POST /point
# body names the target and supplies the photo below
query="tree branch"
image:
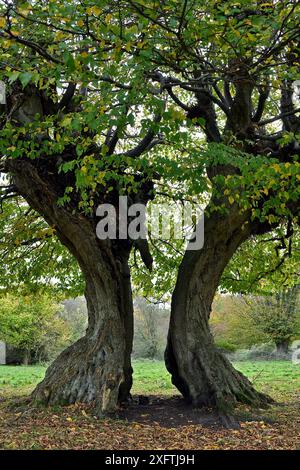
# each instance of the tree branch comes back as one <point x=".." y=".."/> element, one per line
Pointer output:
<point x="67" y="96"/>
<point x="280" y="116"/>
<point x="263" y="96"/>
<point x="144" y="143"/>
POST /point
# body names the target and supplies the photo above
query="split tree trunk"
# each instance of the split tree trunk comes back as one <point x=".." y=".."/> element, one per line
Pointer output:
<point x="97" y="368"/>
<point x="199" y="371"/>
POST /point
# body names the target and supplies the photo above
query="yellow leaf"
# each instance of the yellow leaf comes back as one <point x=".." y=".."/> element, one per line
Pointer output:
<point x="60" y="35"/>
<point x="24" y="11"/>
<point x="251" y="37"/>
<point x="66" y="122"/>
<point x="231" y="199"/>
<point x="2" y="22"/>
<point x="276" y="167"/>
<point x="94" y="11"/>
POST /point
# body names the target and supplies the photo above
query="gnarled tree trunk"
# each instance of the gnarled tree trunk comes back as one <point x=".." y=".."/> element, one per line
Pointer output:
<point x="200" y="372"/>
<point x="97" y="367"/>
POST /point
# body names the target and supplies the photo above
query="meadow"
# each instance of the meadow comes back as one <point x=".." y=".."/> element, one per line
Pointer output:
<point x="150" y="377"/>
<point x="163" y="423"/>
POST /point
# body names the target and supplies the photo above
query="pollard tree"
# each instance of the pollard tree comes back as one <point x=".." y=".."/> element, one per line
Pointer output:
<point x="123" y="97"/>
<point x="232" y="69"/>
<point x="68" y="143"/>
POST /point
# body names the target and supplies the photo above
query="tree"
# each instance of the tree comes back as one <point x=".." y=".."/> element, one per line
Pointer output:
<point x="241" y="321"/>
<point x="276" y="316"/>
<point x="232" y="325"/>
<point x="31" y="323"/>
<point x="151" y="323"/>
<point x="191" y="99"/>
<point x="264" y="265"/>
<point x="62" y="130"/>
<point x="233" y="68"/>
<point x="75" y="314"/>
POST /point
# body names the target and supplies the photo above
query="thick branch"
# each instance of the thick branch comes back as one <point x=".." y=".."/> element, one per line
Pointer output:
<point x="263" y="96"/>
<point x="278" y="117"/>
<point x="144" y="143"/>
<point x="67" y="96"/>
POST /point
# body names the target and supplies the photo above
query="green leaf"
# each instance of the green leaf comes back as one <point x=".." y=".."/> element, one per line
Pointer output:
<point x="25" y="78"/>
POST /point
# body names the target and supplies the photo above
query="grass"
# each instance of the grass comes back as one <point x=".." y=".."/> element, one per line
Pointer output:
<point x="277" y="378"/>
<point x="75" y="427"/>
<point x="19" y="380"/>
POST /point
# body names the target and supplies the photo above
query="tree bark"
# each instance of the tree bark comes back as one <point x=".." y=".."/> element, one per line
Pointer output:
<point x="26" y="357"/>
<point x="199" y="371"/>
<point x="97" y="368"/>
<point x="282" y="347"/>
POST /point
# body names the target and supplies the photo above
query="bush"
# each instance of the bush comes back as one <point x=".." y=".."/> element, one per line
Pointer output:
<point x="258" y="352"/>
<point x="31" y="323"/>
<point x="225" y="346"/>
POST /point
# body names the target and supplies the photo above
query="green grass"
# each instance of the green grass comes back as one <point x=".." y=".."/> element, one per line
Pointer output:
<point x="278" y="378"/>
<point x="20" y="379"/>
<point x="151" y="377"/>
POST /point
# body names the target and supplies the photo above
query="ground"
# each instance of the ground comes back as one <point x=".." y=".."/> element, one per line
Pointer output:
<point x="161" y="421"/>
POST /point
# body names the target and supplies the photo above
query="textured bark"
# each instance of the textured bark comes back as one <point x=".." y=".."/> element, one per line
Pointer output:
<point x="97" y="367"/>
<point x="200" y="372"/>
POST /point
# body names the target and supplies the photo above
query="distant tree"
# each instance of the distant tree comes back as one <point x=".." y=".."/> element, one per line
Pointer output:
<point x="75" y="314"/>
<point x="31" y="323"/>
<point x="151" y="329"/>
<point x="276" y="316"/>
<point x="243" y="321"/>
<point x="232" y="325"/>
